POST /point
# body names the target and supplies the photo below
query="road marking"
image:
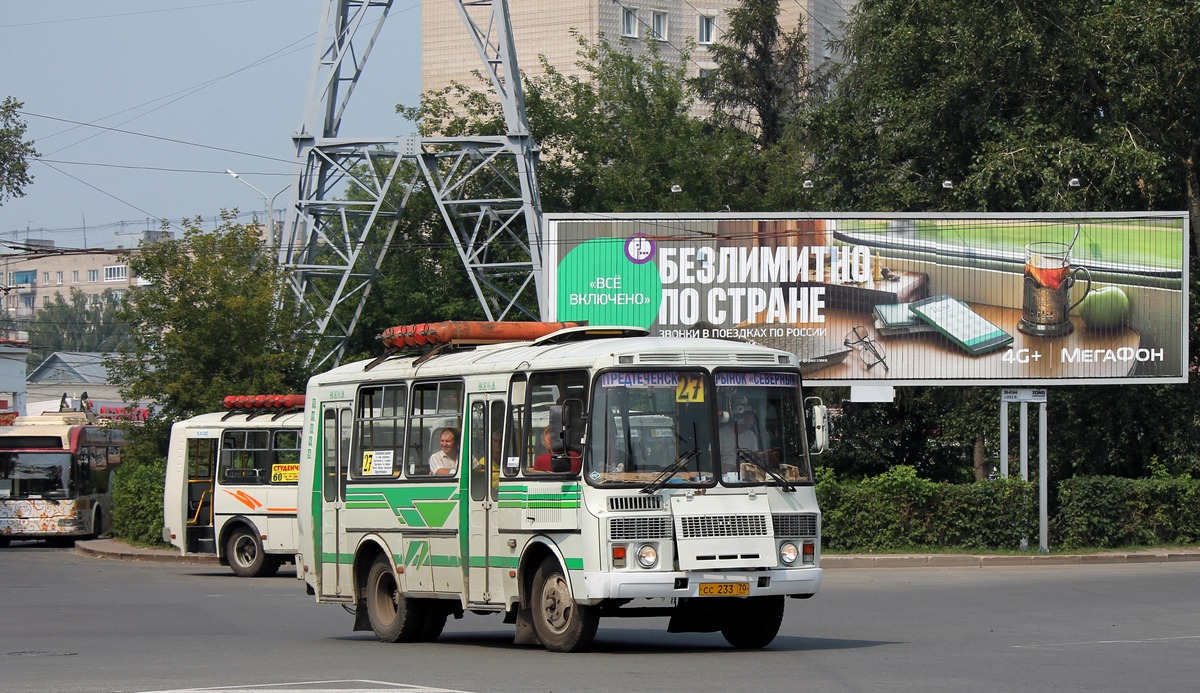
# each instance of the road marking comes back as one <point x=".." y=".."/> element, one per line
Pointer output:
<point x="1108" y="642"/>
<point x="337" y="686"/>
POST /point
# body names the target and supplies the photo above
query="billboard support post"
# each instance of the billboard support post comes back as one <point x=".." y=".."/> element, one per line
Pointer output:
<point x="1003" y="439"/>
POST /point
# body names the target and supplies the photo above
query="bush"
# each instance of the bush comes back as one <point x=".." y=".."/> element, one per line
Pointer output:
<point x="898" y="510"/>
<point x="1110" y="512"/>
<point x="138" y="502"/>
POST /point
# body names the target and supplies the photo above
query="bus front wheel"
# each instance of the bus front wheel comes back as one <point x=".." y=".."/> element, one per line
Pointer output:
<point x="246" y="557"/>
<point x="393" y="617"/>
<point x="561" y="624"/>
<point x="754" y="622"/>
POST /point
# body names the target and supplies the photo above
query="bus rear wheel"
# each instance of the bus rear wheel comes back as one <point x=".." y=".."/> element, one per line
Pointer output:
<point x="754" y="622"/>
<point x="246" y="557"/>
<point x="562" y="624"/>
<point x="393" y="617"/>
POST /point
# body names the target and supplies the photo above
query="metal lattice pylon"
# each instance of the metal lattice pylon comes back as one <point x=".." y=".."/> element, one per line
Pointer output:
<point x="485" y="188"/>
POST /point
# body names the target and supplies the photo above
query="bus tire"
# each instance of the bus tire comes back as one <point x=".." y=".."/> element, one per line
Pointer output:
<point x="97" y="525"/>
<point x="434" y="621"/>
<point x="561" y="623"/>
<point x="4" y="542"/>
<point x="393" y="617"/>
<point x="752" y="624"/>
<point x="245" y="554"/>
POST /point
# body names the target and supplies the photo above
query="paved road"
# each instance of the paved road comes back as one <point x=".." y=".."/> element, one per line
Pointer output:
<point x="80" y="623"/>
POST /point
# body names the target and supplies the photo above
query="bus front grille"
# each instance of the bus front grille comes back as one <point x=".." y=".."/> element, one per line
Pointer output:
<point x="795" y="525"/>
<point x="638" y="502"/>
<point x="704" y="526"/>
<point x="639" y="528"/>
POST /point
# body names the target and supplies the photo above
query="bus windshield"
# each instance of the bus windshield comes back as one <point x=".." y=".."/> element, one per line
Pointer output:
<point x="760" y="428"/>
<point x="34" y="474"/>
<point x="649" y="424"/>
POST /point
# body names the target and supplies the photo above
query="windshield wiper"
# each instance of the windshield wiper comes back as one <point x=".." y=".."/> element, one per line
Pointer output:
<point x="752" y="457"/>
<point x="671" y="471"/>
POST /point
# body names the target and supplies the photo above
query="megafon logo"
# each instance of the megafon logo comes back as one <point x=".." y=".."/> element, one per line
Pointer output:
<point x="639" y="248"/>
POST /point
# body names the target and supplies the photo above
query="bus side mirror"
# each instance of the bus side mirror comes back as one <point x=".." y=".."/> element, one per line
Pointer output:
<point x="818" y="427"/>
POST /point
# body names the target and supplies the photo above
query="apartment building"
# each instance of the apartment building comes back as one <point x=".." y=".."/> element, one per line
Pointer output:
<point x="543" y="28"/>
<point x="33" y="278"/>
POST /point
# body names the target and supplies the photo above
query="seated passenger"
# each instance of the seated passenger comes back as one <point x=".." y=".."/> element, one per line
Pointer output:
<point x="445" y="460"/>
<point x="544" y="461"/>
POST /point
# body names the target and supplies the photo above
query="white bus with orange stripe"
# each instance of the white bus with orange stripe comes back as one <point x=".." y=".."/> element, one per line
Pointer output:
<point x="230" y="487"/>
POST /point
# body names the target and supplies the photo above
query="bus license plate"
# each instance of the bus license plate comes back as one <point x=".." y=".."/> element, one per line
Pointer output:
<point x="724" y="589"/>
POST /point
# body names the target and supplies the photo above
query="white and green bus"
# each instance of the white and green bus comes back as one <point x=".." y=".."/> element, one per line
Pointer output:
<point x="678" y="484"/>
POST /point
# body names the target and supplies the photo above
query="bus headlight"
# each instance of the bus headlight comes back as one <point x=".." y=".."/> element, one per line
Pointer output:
<point x="788" y="553"/>
<point x="647" y="556"/>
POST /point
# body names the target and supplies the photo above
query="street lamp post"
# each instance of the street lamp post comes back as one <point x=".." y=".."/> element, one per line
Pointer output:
<point x="269" y="204"/>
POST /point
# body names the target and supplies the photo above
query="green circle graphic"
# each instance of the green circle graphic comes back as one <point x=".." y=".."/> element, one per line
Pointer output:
<point x="598" y="283"/>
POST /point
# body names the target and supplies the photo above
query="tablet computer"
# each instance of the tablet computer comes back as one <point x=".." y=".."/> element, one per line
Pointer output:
<point x="960" y="324"/>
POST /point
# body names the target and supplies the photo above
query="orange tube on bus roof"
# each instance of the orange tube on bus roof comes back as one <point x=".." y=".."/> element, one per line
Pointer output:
<point x="469" y="332"/>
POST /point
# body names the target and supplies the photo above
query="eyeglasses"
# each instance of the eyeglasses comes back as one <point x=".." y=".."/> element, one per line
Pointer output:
<point x="870" y="351"/>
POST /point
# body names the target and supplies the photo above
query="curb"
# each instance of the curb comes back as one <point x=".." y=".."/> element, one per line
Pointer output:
<point x="116" y="549"/>
<point x="107" y="548"/>
<point x="973" y="561"/>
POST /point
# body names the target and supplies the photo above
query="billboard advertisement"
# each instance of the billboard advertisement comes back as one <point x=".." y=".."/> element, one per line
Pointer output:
<point x="894" y="299"/>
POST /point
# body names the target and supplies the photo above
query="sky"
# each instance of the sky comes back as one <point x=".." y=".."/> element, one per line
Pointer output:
<point x="139" y="107"/>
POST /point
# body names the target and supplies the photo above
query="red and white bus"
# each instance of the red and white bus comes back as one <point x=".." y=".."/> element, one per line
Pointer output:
<point x="230" y="487"/>
<point x="56" y="473"/>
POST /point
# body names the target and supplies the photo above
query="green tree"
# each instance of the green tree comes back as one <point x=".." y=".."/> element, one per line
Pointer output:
<point x="15" y="151"/>
<point x="206" y="321"/>
<point x="1009" y="101"/>
<point x="762" y="79"/>
<point x="618" y="138"/>
<point x="76" y="325"/>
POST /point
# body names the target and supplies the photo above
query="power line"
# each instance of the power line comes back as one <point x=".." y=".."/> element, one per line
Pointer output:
<point x="120" y="14"/>
<point x="157" y="137"/>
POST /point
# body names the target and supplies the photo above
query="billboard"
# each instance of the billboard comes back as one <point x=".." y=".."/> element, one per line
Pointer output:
<point x="894" y="299"/>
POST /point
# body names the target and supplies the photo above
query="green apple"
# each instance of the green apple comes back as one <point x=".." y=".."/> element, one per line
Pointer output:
<point x="1104" y="308"/>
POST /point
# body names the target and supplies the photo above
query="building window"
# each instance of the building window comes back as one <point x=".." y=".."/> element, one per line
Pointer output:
<point x="114" y="273"/>
<point x="46" y="301"/>
<point x="46" y="278"/>
<point x="58" y="278"/>
<point x="93" y="299"/>
<point x="658" y="26"/>
<point x="93" y="276"/>
<point x="708" y="29"/>
<point x="629" y="22"/>
<point x="827" y="51"/>
<point x="27" y="300"/>
<point x="74" y="276"/>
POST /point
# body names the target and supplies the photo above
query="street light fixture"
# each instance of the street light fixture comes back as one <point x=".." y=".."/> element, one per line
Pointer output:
<point x="269" y="204"/>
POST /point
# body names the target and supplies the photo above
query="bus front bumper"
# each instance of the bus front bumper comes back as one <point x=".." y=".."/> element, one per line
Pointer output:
<point x="680" y="584"/>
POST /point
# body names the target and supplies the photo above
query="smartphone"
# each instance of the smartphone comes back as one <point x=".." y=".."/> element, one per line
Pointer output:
<point x="963" y="326"/>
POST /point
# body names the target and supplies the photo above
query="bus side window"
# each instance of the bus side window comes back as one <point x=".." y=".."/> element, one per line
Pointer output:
<point x="478" y="451"/>
<point x="436" y="406"/>
<point x="379" y="451"/>
<point x="520" y="441"/>
<point x="285" y="452"/>
<point x="545" y="390"/>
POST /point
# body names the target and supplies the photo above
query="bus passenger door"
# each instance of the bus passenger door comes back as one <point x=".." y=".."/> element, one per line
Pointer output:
<point x="336" y="424"/>
<point x="201" y="465"/>
<point x="485" y="438"/>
